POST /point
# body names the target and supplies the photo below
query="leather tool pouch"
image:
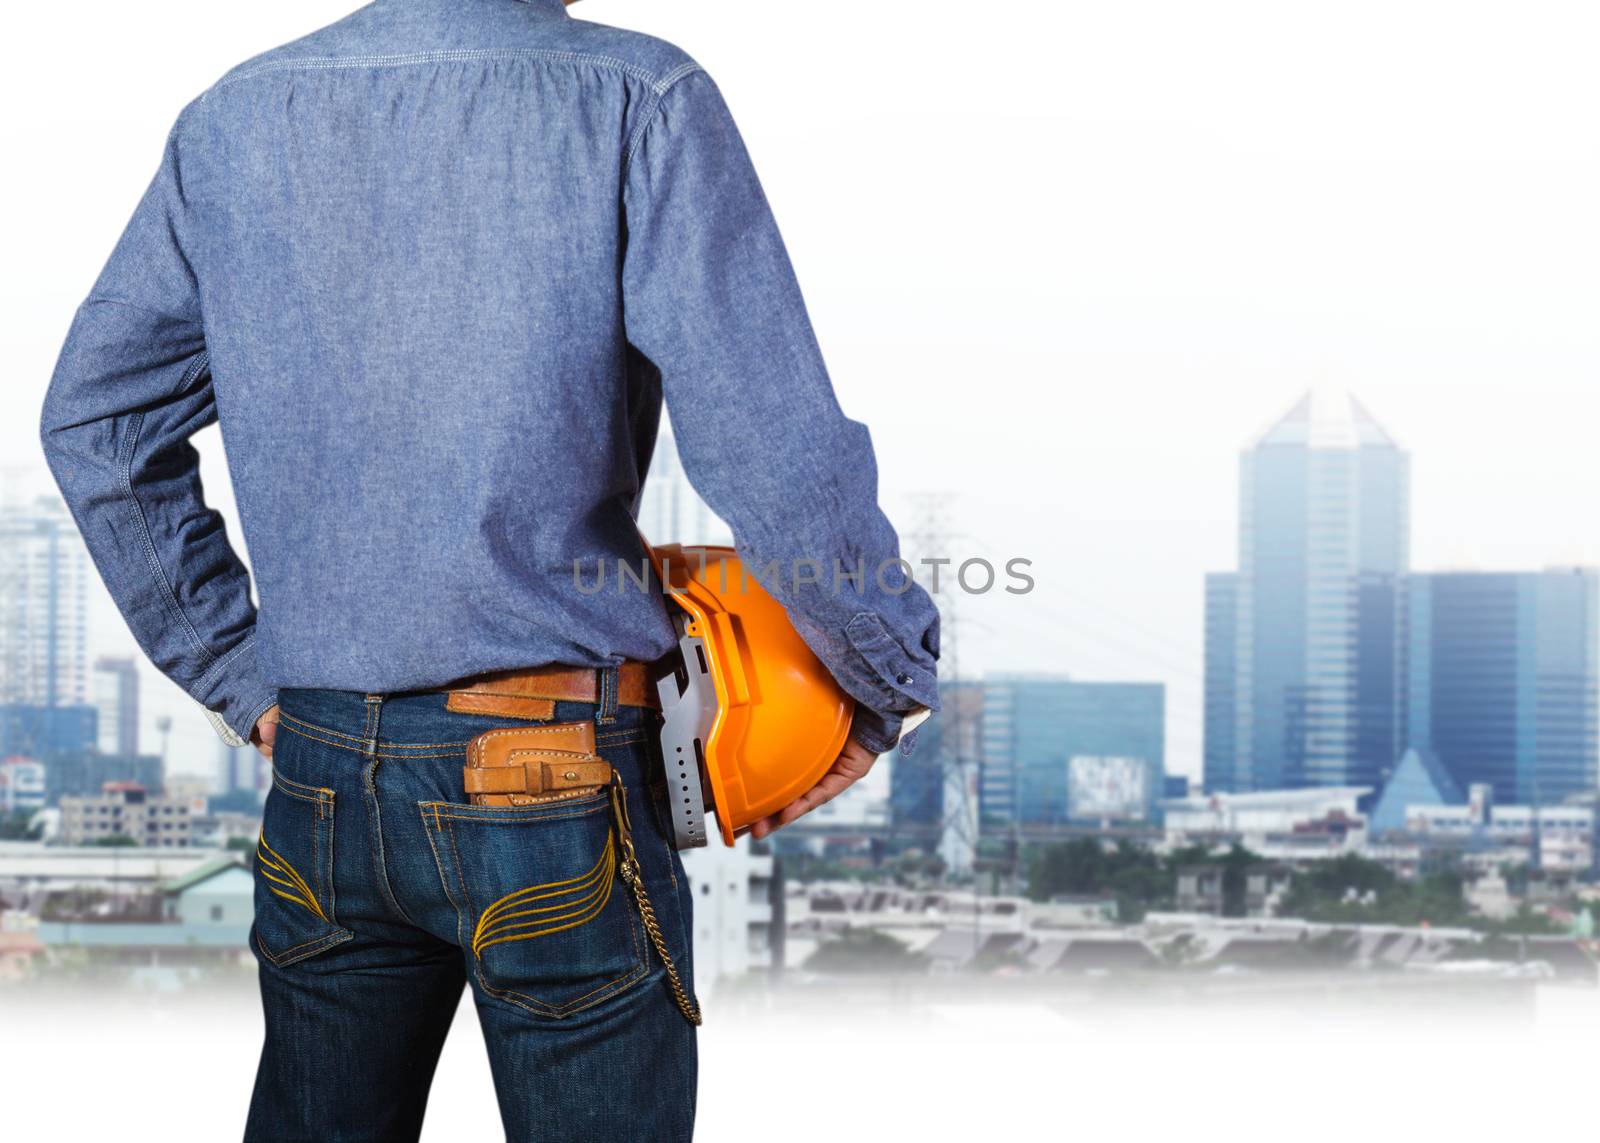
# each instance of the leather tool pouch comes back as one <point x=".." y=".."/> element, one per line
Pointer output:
<point x="527" y="765"/>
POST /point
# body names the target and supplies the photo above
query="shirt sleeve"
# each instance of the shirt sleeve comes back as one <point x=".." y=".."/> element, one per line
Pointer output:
<point x="710" y="297"/>
<point x="132" y="386"/>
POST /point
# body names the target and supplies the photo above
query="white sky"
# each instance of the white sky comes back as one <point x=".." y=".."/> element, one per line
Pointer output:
<point x="1064" y="258"/>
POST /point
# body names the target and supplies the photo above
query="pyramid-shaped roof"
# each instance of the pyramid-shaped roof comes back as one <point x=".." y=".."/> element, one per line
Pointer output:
<point x="1419" y="780"/>
<point x="1327" y="418"/>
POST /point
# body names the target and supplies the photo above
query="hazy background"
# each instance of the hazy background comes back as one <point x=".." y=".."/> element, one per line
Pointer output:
<point x="1064" y="258"/>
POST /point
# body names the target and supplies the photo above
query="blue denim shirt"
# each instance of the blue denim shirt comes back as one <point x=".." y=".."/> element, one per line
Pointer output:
<point x="433" y="269"/>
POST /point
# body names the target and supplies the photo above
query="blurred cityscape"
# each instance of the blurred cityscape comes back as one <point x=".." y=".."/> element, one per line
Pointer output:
<point x="1399" y="786"/>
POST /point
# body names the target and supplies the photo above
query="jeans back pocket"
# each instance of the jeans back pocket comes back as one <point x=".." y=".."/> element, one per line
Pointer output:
<point x="295" y="915"/>
<point x="541" y="906"/>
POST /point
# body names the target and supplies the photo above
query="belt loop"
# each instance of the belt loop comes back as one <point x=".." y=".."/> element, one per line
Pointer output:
<point x="608" y="689"/>
<point x="369" y="729"/>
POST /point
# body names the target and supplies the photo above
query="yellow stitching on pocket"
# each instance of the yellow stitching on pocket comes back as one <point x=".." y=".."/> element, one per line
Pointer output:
<point x="274" y="860"/>
<point x="285" y="877"/>
<point x="570" y="885"/>
<point x="291" y="879"/>
<point x="580" y="916"/>
<point x="581" y="897"/>
<point x="296" y="899"/>
<point x="268" y="858"/>
<point x="582" y="908"/>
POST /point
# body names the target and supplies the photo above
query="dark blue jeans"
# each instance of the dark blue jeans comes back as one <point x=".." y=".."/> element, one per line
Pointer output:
<point x="373" y="882"/>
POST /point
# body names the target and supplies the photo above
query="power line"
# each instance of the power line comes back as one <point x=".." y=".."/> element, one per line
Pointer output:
<point x="930" y="537"/>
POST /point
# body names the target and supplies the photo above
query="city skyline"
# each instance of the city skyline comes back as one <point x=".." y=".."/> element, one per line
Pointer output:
<point x="1062" y="296"/>
<point x="668" y="498"/>
<point x="1328" y="656"/>
<point x="1501" y="679"/>
<point x="1080" y="389"/>
<point x="1324" y="546"/>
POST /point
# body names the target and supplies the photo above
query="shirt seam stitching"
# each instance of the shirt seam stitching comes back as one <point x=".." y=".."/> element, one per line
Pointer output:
<point x="105" y="299"/>
<point x="411" y="59"/>
<point x="215" y="668"/>
<point x="255" y="717"/>
<point x="158" y="574"/>
<point x="647" y="117"/>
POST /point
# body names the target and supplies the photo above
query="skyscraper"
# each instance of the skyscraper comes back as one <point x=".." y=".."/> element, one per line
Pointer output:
<point x="44" y="571"/>
<point x="1057" y="751"/>
<point x="1502" y="680"/>
<point x="1315" y="612"/>
<point x="1221" y="715"/>
<point x="116" y="685"/>
<point x="44" y="654"/>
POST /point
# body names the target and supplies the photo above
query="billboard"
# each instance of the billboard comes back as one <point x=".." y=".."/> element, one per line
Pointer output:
<point x="1107" y="786"/>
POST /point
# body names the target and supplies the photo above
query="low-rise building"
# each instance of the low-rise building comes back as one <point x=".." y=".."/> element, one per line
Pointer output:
<point x="1202" y="889"/>
<point x="197" y="921"/>
<point x="1554" y="838"/>
<point x="126" y="810"/>
<point x="1264" y="813"/>
<point x="29" y="869"/>
<point x="733" y="912"/>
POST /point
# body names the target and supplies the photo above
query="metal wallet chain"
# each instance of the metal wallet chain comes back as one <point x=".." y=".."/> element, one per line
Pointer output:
<point x="631" y="874"/>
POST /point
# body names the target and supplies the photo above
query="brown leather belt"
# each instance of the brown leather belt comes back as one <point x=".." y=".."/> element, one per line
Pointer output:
<point x="534" y="693"/>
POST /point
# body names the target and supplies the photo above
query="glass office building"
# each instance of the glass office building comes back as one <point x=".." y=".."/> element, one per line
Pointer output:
<point x="1056" y="751"/>
<point x="1221" y="750"/>
<point x="1502" y="681"/>
<point x="1303" y="642"/>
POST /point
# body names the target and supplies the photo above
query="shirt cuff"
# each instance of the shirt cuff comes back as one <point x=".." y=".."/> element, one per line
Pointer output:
<point x="235" y="694"/>
<point x="877" y="730"/>
<point x="880" y="731"/>
<point x="898" y="684"/>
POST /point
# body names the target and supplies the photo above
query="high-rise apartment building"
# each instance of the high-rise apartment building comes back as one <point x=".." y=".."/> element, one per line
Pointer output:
<point x="1314" y="614"/>
<point x="44" y="670"/>
<point x="1502" y="681"/>
<point x="44" y="576"/>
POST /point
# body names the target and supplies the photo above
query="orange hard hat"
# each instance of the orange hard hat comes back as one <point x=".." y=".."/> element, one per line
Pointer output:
<point x="752" y="719"/>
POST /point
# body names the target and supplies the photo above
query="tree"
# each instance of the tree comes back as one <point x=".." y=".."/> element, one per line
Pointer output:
<point x="1075" y="867"/>
<point x="116" y="841"/>
<point x="1135" y="876"/>
<point x="17" y="826"/>
<point x="1356" y="890"/>
<point x="1236" y="864"/>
